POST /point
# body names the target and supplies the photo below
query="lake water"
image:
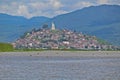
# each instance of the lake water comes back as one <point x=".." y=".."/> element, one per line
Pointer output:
<point x="58" y="68"/>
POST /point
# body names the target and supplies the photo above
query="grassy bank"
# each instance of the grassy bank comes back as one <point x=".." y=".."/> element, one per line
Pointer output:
<point x="6" y="47"/>
<point x="27" y="50"/>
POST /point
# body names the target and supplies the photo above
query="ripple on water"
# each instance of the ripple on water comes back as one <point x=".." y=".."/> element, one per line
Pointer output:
<point x="36" y="68"/>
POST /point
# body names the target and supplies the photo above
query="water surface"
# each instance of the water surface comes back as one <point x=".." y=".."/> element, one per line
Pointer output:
<point x="58" y="68"/>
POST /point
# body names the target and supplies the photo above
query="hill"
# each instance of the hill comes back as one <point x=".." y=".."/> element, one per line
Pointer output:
<point x="12" y="27"/>
<point x="47" y="38"/>
<point x="102" y="21"/>
<point x="94" y="20"/>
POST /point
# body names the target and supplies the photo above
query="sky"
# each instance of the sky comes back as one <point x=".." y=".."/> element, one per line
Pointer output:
<point x="48" y="8"/>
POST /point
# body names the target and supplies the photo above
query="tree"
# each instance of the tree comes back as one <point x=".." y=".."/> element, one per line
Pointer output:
<point x="45" y="26"/>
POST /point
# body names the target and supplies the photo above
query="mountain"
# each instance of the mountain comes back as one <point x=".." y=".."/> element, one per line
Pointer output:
<point x="6" y="19"/>
<point x="89" y="16"/>
<point x="12" y="27"/>
<point x="102" y="21"/>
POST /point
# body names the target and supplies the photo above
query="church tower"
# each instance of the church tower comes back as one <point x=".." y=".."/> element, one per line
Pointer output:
<point x="53" y="26"/>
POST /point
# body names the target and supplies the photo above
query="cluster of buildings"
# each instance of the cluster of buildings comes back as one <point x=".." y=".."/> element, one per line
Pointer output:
<point x="53" y="38"/>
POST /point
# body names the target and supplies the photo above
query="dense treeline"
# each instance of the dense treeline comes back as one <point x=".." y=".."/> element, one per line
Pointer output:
<point x="4" y="47"/>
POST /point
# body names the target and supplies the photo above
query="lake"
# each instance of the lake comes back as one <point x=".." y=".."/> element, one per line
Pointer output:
<point x="59" y="68"/>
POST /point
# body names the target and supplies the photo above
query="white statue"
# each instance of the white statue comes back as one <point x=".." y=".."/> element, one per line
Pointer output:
<point x="53" y="26"/>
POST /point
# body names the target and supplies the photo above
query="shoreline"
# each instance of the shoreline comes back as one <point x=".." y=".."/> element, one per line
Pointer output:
<point x="114" y="54"/>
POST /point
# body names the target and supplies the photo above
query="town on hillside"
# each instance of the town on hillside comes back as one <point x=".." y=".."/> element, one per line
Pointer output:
<point x="52" y="38"/>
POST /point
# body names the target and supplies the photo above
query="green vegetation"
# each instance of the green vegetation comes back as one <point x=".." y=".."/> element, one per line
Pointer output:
<point x="27" y="50"/>
<point x="101" y="41"/>
<point x="5" y="47"/>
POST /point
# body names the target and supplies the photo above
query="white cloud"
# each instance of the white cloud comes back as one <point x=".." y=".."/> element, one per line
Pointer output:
<point x="56" y="4"/>
<point x="60" y="12"/>
<point x="49" y="8"/>
<point x="23" y="10"/>
<point x="111" y="2"/>
<point x="38" y="5"/>
<point x="103" y="1"/>
<point x="8" y="9"/>
<point x="82" y="4"/>
<point x="51" y="4"/>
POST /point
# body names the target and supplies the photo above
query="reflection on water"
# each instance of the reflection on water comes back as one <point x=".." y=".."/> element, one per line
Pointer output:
<point x="58" y="68"/>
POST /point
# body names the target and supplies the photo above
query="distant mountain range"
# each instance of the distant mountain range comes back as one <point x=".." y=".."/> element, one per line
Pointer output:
<point x="12" y="27"/>
<point x="102" y="21"/>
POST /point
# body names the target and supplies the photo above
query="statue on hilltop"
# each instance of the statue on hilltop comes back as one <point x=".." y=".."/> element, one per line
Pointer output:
<point x="53" y="26"/>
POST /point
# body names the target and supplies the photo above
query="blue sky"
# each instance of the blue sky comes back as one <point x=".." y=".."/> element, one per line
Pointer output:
<point x="49" y="8"/>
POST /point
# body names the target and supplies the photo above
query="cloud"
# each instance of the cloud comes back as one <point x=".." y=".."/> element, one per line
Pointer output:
<point x="51" y="4"/>
<point x="111" y="2"/>
<point x="60" y="12"/>
<point x="32" y="8"/>
<point x="46" y="8"/>
<point x="56" y="4"/>
<point x="23" y="10"/>
<point x="9" y="8"/>
<point x="82" y="4"/>
<point x="103" y="1"/>
<point x="49" y="8"/>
